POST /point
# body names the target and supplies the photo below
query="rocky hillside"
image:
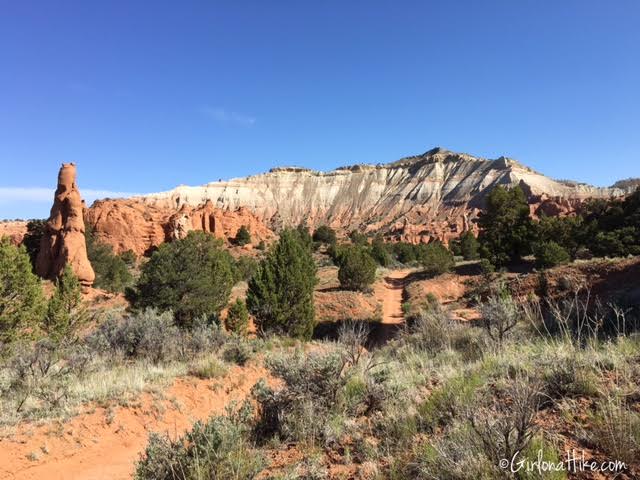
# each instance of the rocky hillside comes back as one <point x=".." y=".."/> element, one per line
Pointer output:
<point x="435" y="194"/>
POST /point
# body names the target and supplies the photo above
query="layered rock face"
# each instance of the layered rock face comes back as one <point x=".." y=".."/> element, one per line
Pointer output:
<point x="63" y="242"/>
<point x="416" y="199"/>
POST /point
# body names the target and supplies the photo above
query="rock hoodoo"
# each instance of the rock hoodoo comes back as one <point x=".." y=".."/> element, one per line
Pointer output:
<point x="63" y="242"/>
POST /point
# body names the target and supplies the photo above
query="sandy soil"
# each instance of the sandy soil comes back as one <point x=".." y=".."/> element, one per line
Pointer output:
<point x="390" y="293"/>
<point x="104" y="442"/>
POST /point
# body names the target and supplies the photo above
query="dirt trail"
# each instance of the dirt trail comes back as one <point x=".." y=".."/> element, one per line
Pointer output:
<point x="389" y="292"/>
<point x="103" y="443"/>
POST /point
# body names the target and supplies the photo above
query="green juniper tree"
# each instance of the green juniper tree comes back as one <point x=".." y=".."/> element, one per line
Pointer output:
<point x="280" y="293"/>
<point x="506" y="228"/>
<point x="21" y="299"/>
<point x="192" y="277"/>
<point x="357" y="268"/>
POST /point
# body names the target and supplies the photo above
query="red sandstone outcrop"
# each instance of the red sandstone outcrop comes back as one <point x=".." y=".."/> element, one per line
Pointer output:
<point x="129" y="224"/>
<point x="63" y="242"/>
<point x="14" y="230"/>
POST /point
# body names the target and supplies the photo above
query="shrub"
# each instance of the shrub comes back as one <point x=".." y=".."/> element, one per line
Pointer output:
<point x="65" y="313"/>
<point x="467" y="246"/>
<point x="209" y="368"/>
<point x="436" y="259"/>
<point x="500" y="314"/>
<point x="300" y="409"/>
<point x="111" y="270"/>
<point x="449" y="401"/>
<point x="243" y="236"/>
<point x="39" y="371"/>
<point x="358" y="238"/>
<point x="280" y="294"/>
<point x="237" y="320"/>
<point x="550" y="254"/>
<point x="237" y="351"/>
<point x="148" y="334"/>
<point x="357" y="269"/>
<point x="616" y="429"/>
<point x="31" y="240"/>
<point x="245" y="267"/>
<point x="217" y="449"/>
<point x="21" y="300"/>
<point x="192" y="277"/>
<point x="380" y="252"/>
<point x="324" y="234"/>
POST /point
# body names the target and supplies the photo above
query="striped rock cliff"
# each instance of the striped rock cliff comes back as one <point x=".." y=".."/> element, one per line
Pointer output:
<point x="434" y="195"/>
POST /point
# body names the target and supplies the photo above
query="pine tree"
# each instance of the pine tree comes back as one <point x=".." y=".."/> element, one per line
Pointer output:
<point x="21" y="299"/>
<point x="280" y="293"/>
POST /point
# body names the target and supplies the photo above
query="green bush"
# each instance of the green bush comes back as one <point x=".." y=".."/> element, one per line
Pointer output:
<point x="357" y="268"/>
<point x="243" y="236"/>
<point x="506" y="230"/>
<point x="111" y="270"/>
<point x="280" y="294"/>
<point x="245" y="267"/>
<point x="324" y="234"/>
<point x="33" y="237"/>
<point x="21" y="300"/>
<point x="436" y="259"/>
<point x="550" y="254"/>
<point x="65" y="312"/>
<point x="237" y="320"/>
<point x="467" y="246"/>
<point x="380" y="252"/>
<point x="217" y="449"/>
<point x="154" y="336"/>
<point x="192" y="277"/>
<point x="358" y="238"/>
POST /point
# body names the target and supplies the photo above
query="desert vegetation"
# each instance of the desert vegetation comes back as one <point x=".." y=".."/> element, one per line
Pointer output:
<point x="541" y="367"/>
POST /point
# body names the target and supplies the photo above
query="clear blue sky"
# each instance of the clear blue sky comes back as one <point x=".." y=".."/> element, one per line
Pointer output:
<point x="144" y="96"/>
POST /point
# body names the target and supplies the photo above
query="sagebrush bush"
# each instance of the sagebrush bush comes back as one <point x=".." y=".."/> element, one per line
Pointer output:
<point x="148" y="334"/>
<point x="217" y="449"/>
<point x="298" y="411"/>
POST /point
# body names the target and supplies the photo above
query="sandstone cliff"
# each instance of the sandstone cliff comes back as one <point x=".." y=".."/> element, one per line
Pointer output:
<point x="130" y="224"/>
<point x="434" y="195"/>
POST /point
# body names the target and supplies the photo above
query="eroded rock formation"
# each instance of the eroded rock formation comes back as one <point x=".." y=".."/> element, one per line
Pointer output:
<point x="437" y="195"/>
<point x="416" y="199"/>
<point x="63" y="242"/>
<point x="130" y="224"/>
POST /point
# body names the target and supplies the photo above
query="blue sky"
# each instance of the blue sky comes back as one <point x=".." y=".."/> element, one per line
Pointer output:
<point x="144" y="96"/>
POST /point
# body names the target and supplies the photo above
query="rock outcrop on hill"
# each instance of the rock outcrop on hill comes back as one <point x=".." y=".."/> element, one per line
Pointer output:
<point x="130" y="224"/>
<point x="416" y="199"/>
<point x="63" y="242"/>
